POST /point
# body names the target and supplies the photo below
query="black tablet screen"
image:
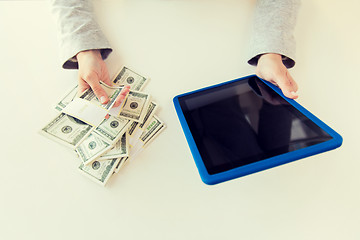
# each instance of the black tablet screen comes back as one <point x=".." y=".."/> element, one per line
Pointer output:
<point x="243" y="122"/>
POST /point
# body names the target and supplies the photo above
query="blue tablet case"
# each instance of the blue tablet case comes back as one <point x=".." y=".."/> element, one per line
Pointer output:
<point x="214" y="178"/>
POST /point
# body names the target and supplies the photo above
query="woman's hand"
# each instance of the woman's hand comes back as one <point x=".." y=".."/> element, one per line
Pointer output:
<point x="92" y="70"/>
<point x="271" y="68"/>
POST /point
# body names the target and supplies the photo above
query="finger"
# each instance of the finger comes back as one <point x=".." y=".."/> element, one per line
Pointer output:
<point x="293" y="82"/>
<point x="105" y="76"/>
<point x="295" y="88"/>
<point x="82" y="86"/>
<point x="81" y="89"/>
<point x="122" y="96"/>
<point x="287" y="85"/>
<point x="93" y="81"/>
<point x="268" y="77"/>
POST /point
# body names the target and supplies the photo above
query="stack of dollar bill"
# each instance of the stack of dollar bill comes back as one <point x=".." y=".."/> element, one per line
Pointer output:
<point x="105" y="139"/>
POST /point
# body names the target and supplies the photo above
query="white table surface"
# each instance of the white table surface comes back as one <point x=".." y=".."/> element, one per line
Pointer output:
<point x="182" y="45"/>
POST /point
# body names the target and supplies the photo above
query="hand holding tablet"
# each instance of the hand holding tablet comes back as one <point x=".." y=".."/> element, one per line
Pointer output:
<point x="247" y="125"/>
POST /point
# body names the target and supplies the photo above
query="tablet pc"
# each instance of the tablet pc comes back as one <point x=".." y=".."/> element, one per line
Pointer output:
<point x="247" y="125"/>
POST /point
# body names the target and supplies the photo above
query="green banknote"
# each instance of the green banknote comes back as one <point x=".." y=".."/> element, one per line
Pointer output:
<point x="135" y="106"/>
<point x="128" y="77"/>
<point x="120" y="149"/>
<point x="67" y="130"/>
<point x="100" y="171"/>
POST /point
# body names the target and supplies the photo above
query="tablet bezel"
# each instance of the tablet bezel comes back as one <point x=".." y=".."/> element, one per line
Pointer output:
<point x="264" y="164"/>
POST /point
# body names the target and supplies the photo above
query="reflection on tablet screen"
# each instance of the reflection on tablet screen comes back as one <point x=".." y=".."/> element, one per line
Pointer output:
<point x="245" y="122"/>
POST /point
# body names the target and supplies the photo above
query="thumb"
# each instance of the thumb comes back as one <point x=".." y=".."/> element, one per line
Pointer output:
<point x="105" y="78"/>
<point x="99" y="92"/>
<point x="287" y="85"/>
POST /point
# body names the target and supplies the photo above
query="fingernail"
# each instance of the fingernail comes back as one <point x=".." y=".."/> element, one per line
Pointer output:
<point x="103" y="99"/>
<point x="294" y="93"/>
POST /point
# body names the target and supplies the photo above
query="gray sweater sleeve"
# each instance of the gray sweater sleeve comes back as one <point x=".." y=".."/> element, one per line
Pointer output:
<point x="274" y="25"/>
<point x="273" y="30"/>
<point x="77" y="30"/>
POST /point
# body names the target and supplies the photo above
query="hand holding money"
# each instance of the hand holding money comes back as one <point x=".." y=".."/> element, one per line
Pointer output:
<point x="105" y="140"/>
<point x="92" y="70"/>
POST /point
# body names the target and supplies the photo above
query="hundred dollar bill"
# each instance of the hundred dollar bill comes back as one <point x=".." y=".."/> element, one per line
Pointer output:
<point x="120" y="149"/>
<point x="135" y="106"/>
<point x="153" y="129"/>
<point x="89" y="109"/>
<point x="92" y="147"/>
<point x="125" y="77"/>
<point x="67" y="130"/>
<point x="112" y="92"/>
<point x="131" y="78"/>
<point x="102" y="139"/>
<point x="100" y="171"/>
<point x="113" y="128"/>
<point x="67" y="99"/>
<point x="149" y="113"/>
<point x="136" y="129"/>
<point x="121" y="163"/>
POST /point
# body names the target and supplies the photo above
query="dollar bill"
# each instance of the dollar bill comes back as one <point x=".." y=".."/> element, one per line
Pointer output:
<point x="135" y="106"/>
<point x="71" y="95"/>
<point x="105" y="138"/>
<point x="92" y="147"/>
<point x="67" y="130"/>
<point x="99" y="171"/>
<point x="102" y="139"/>
<point x="136" y="129"/>
<point x="88" y="108"/>
<point x="113" y="128"/>
<point x="112" y="92"/>
<point x="132" y="128"/>
<point x="153" y="129"/>
<point x="149" y="114"/>
<point x="128" y="77"/>
<point x="121" y="163"/>
<point x="67" y="99"/>
<point x="120" y="149"/>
